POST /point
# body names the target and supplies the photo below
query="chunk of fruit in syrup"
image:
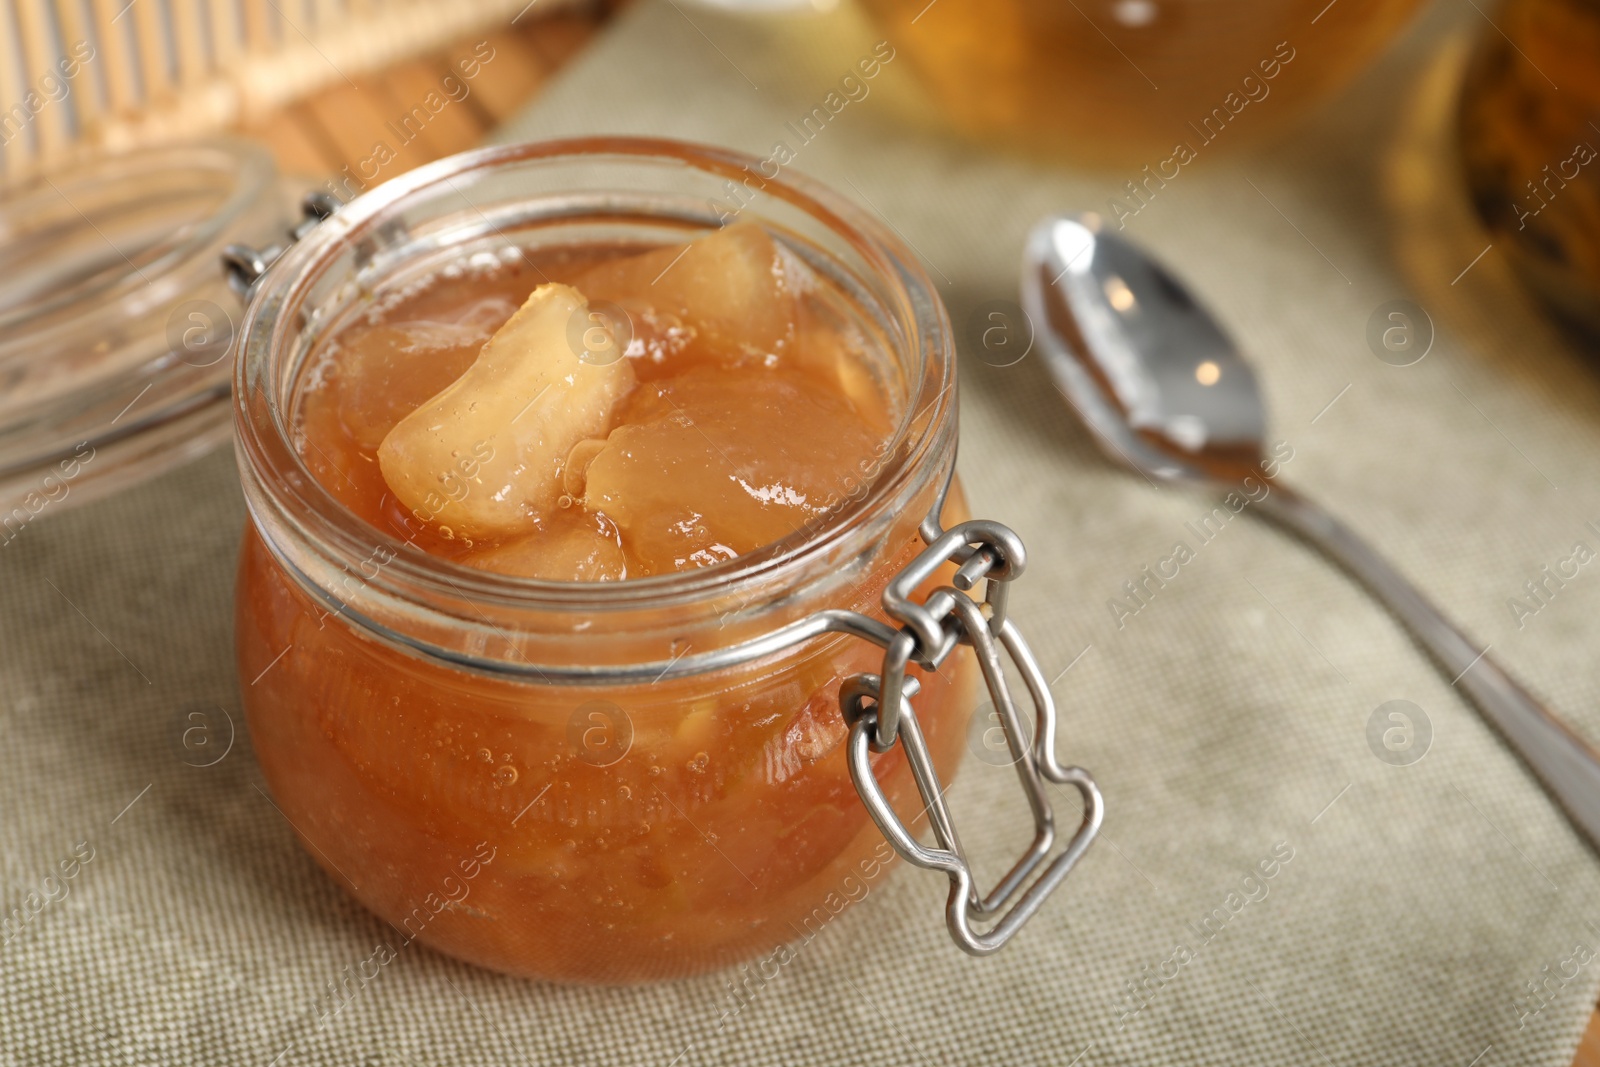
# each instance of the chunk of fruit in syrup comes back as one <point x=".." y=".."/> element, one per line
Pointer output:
<point x="748" y="298"/>
<point x="485" y="456"/>
<point x="383" y="373"/>
<point x="735" y="290"/>
<point x="713" y="464"/>
<point x="571" y="547"/>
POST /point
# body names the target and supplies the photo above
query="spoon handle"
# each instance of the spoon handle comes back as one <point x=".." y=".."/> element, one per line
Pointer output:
<point x="1564" y="762"/>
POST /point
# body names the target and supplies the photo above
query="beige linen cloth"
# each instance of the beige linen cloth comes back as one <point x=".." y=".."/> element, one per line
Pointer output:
<point x="1410" y="907"/>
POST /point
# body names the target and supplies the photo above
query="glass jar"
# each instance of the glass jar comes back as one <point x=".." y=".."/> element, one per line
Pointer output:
<point x="606" y="782"/>
<point x="1134" y="82"/>
<point x="115" y="328"/>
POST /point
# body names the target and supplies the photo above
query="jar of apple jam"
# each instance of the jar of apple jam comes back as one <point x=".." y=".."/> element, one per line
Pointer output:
<point x="604" y="609"/>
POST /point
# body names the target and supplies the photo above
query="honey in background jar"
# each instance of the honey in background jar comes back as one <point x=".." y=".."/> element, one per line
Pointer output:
<point x="1126" y="81"/>
<point x="1529" y="125"/>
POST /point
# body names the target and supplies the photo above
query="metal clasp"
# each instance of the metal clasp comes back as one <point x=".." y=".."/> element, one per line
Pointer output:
<point x="244" y="265"/>
<point x="880" y="713"/>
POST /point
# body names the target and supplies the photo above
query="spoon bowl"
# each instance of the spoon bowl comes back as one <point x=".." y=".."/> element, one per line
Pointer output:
<point x="1149" y="370"/>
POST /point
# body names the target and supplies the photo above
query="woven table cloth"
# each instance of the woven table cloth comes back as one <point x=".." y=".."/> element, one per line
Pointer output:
<point x="1279" y="880"/>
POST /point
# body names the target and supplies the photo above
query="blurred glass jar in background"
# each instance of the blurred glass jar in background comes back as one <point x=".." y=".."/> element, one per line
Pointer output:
<point x="1120" y="81"/>
<point x="1530" y="144"/>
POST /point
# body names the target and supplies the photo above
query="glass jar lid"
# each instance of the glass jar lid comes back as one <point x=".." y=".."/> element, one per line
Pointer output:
<point x="116" y="322"/>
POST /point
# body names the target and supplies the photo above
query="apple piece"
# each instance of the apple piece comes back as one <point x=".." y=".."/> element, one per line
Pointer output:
<point x="484" y="457"/>
<point x="585" y="549"/>
<point x="384" y="372"/>
<point x="836" y="350"/>
<point x="735" y="290"/>
<point x="707" y="466"/>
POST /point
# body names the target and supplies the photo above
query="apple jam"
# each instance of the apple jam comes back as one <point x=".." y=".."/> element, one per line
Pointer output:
<point x="730" y="404"/>
<point x="569" y="423"/>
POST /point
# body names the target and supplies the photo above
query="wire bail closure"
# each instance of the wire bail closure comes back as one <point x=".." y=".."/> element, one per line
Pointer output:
<point x="243" y="265"/>
<point x="879" y="711"/>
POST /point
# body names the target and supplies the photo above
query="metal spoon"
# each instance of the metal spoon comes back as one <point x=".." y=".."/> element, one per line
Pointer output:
<point x="1166" y="392"/>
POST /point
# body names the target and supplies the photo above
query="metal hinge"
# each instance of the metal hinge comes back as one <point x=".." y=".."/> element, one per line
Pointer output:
<point x="879" y="709"/>
<point x="244" y="265"/>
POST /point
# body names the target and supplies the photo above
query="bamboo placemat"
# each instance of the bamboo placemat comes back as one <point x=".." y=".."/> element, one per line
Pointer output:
<point x="86" y="76"/>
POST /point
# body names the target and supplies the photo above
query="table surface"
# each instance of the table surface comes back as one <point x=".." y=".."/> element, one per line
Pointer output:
<point x="320" y="136"/>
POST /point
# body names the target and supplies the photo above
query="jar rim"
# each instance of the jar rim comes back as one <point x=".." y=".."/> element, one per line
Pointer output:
<point x="278" y="480"/>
